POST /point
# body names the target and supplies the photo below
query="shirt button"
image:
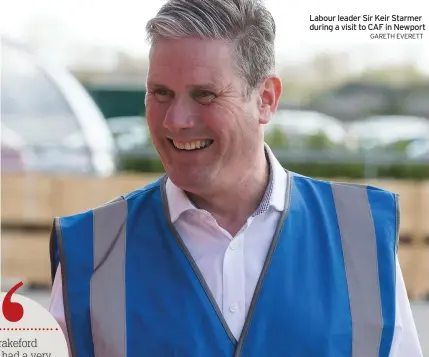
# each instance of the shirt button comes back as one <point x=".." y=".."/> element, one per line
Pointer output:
<point x="233" y="307"/>
<point x="232" y="246"/>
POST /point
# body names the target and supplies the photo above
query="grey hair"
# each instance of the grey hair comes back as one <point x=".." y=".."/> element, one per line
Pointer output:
<point x="246" y="23"/>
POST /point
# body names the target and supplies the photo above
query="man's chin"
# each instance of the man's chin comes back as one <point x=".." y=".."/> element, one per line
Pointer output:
<point x="190" y="179"/>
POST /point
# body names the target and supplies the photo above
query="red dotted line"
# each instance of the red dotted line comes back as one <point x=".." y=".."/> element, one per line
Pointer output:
<point x="28" y="329"/>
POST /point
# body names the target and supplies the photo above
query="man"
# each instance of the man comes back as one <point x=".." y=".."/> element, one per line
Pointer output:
<point x="228" y="254"/>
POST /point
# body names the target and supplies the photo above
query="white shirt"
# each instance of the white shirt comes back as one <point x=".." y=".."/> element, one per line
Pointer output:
<point x="231" y="265"/>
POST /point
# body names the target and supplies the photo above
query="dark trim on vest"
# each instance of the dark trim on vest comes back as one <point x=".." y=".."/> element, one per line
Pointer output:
<point x="109" y="250"/>
<point x="398" y="221"/>
<point x="52" y="250"/>
<point x="237" y="344"/>
<point x="266" y="266"/>
<point x="65" y="287"/>
<point x="398" y="225"/>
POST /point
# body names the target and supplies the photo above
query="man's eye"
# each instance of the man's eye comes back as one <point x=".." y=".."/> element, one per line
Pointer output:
<point x="204" y="96"/>
<point x="162" y="94"/>
<point x="203" y="93"/>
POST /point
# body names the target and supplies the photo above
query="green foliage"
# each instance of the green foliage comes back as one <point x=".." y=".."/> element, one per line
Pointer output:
<point x="400" y="146"/>
<point x="318" y="141"/>
<point x="418" y="172"/>
<point x="276" y="139"/>
<point x="141" y="165"/>
<point x="333" y="170"/>
<point x="392" y="75"/>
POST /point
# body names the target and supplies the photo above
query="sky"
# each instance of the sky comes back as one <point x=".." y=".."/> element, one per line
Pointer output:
<point x="120" y="23"/>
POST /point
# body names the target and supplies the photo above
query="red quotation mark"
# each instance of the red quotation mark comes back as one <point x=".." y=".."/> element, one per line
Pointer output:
<point x="12" y="311"/>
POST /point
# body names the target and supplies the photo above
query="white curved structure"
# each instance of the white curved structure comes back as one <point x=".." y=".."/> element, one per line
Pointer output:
<point x="54" y="115"/>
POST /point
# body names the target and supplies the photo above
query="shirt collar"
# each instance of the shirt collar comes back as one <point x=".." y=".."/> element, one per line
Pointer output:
<point x="178" y="201"/>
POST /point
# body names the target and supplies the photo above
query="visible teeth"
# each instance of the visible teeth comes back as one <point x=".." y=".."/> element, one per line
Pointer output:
<point x="192" y="145"/>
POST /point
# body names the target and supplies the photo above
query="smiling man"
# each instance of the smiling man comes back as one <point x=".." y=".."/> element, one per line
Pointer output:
<point x="228" y="254"/>
<point x="206" y="122"/>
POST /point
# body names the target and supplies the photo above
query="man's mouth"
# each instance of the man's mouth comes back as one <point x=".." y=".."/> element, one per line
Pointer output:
<point x="191" y="145"/>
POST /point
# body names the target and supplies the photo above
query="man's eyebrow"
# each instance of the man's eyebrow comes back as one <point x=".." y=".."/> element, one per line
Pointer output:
<point x="155" y="85"/>
<point x="204" y="86"/>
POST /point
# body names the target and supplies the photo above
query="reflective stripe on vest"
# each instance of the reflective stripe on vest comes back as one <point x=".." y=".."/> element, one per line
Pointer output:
<point x="359" y="246"/>
<point x="108" y="300"/>
<point x="360" y="259"/>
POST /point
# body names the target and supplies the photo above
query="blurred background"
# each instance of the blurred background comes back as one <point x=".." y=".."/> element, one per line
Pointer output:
<point x="73" y="130"/>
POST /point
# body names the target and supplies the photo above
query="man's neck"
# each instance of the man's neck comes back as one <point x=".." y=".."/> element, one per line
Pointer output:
<point x="234" y="203"/>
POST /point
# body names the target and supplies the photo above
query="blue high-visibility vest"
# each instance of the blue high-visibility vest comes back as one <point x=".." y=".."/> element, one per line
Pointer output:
<point x="327" y="289"/>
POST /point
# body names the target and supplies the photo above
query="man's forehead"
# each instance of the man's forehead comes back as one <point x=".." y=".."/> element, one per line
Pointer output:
<point x="192" y="46"/>
<point x="191" y="52"/>
<point x="191" y="62"/>
<point x="188" y="75"/>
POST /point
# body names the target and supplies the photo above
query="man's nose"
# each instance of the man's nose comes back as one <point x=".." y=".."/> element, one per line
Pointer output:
<point x="179" y="116"/>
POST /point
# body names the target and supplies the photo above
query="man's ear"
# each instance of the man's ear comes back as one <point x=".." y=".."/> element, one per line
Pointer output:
<point x="270" y="92"/>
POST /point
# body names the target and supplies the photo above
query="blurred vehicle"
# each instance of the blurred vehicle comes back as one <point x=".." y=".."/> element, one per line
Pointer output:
<point x="300" y="126"/>
<point x="418" y="149"/>
<point x="12" y="150"/>
<point x="130" y="133"/>
<point x="60" y="128"/>
<point x="389" y="131"/>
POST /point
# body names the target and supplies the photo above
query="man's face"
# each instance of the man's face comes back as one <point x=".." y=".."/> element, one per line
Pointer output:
<point x="205" y="129"/>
